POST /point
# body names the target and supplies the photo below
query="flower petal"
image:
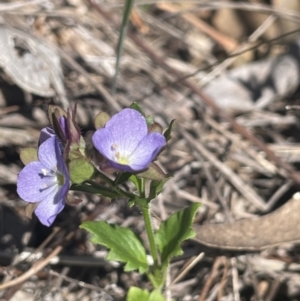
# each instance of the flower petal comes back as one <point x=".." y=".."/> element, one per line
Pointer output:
<point x="127" y="128"/>
<point x="49" y="152"/>
<point x="32" y="184"/>
<point x="47" y="210"/>
<point x="103" y="141"/>
<point x="46" y="133"/>
<point x="147" y="151"/>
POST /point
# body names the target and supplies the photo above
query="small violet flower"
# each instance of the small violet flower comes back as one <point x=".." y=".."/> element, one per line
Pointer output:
<point x="126" y="143"/>
<point x="45" y="181"/>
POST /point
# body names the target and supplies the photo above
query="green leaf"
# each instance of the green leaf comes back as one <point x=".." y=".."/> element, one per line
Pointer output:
<point x="137" y="294"/>
<point x="80" y="170"/>
<point x="123" y="243"/>
<point x="95" y="189"/>
<point x="168" y="132"/>
<point x="156" y="187"/>
<point x="173" y="231"/>
<point x="136" y="182"/>
<point x="28" y="155"/>
<point x="123" y="30"/>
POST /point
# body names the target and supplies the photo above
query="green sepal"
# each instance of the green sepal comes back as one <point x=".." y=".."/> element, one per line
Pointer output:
<point x="101" y="120"/>
<point x="168" y="131"/>
<point x="173" y="231"/>
<point x="137" y="182"/>
<point x="80" y="170"/>
<point x="54" y="113"/>
<point x="149" y="120"/>
<point x="138" y="294"/>
<point x="29" y="154"/>
<point x="136" y="107"/>
<point x="123" y="243"/>
<point x="95" y="189"/>
<point x="154" y="172"/>
<point x="156" y="188"/>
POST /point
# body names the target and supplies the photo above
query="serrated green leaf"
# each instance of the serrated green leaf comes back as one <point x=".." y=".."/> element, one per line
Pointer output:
<point x="168" y="132"/>
<point x="80" y="170"/>
<point x="173" y="231"/>
<point x="28" y="155"/>
<point x="137" y="294"/>
<point x="123" y="243"/>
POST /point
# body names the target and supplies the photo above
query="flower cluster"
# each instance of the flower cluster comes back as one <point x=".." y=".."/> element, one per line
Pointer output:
<point x="126" y="142"/>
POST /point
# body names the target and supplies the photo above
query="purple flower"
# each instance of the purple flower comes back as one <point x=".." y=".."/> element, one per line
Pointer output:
<point x="46" y="181"/>
<point x="126" y="143"/>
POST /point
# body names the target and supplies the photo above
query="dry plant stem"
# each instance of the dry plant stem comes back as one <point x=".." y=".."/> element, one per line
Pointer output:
<point x="36" y="267"/>
<point x="8" y="7"/>
<point x="253" y="278"/>
<point x="242" y="144"/>
<point x="215" y="187"/>
<point x="240" y="185"/>
<point x="103" y="92"/>
<point x="186" y="195"/>
<point x="224" y="277"/>
<point x="211" y="278"/>
<point x="76" y="282"/>
<point x="187" y="269"/>
<point x="40" y="247"/>
<point x="253" y="37"/>
<point x="235" y="280"/>
<point x="274" y="289"/>
<point x="278" y="194"/>
<point x="228" y="43"/>
<point x="290" y="15"/>
<point x="10" y="292"/>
